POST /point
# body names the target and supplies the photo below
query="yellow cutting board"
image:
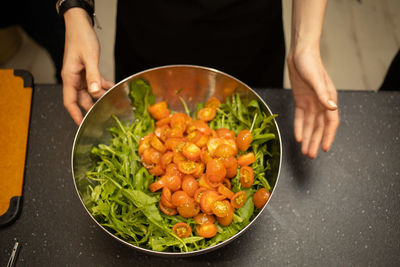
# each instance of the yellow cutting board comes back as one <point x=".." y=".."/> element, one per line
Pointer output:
<point x="15" y="107"/>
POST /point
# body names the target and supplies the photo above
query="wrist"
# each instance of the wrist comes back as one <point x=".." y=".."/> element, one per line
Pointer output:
<point x="77" y="16"/>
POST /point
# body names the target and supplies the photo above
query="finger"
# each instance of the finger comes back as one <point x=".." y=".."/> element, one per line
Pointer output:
<point x="93" y="78"/>
<point x="85" y="100"/>
<point x="316" y="136"/>
<point x="331" y="125"/>
<point x="106" y="84"/>
<point x="308" y="127"/>
<point x="298" y="124"/>
<point x="70" y="97"/>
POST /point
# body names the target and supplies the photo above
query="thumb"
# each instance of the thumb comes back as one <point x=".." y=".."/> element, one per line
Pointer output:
<point x="93" y="79"/>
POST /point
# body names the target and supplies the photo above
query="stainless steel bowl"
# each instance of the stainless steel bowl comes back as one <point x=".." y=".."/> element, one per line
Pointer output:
<point x="199" y="84"/>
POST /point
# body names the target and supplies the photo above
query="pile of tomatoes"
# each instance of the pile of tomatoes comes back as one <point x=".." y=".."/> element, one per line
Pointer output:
<point x="195" y="164"/>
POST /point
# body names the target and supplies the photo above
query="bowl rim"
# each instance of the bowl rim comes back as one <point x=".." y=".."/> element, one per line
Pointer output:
<point x="177" y="254"/>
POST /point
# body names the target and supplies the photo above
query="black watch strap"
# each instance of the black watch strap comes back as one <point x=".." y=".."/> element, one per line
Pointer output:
<point x="88" y="5"/>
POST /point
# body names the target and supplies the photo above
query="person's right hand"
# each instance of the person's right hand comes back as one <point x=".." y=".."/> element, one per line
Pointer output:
<point x="80" y="72"/>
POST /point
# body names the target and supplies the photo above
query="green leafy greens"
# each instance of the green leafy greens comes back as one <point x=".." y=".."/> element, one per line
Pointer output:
<point x="120" y="199"/>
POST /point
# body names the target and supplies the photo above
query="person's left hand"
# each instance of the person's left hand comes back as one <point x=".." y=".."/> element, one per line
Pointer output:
<point x="316" y="114"/>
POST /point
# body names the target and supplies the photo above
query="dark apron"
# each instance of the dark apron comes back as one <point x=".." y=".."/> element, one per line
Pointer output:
<point x="243" y="38"/>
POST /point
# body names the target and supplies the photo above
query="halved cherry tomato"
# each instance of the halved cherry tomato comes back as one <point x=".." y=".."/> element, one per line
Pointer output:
<point x="231" y="166"/>
<point x="201" y="126"/>
<point x="200" y="166"/>
<point x="157" y="144"/>
<point x="206" y="230"/>
<point x="144" y="143"/>
<point x="213" y="184"/>
<point x="166" y="159"/>
<point x="261" y="197"/>
<point x="225" y="133"/>
<point x="206" y="114"/>
<point x="213" y="102"/>
<point x="157" y="185"/>
<point x="198" y="138"/>
<point x="189" y="185"/>
<point x="173" y="182"/>
<point x="175" y="133"/>
<point x="203" y="182"/>
<point x="246" y="176"/>
<point x="205" y="155"/>
<point x="203" y="218"/>
<point x="246" y="159"/>
<point x="179" y="198"/>
<point x="171" y="169"/>
<point x="223" y="190"/>
<point x="227" y="183"/>
<point x="232" y="143"/>
<point x="220" y="208"/>
<point x="213" y="143"/>
<point x="166" y="198"/>
<point x="189" y="209"/>
<point x="151" y="156"/>
<point x="187" y="167"/>
<point x="159" y="110"/>
<point x="182" y="229"/>
<point x="178" y="157"/>
<point x="199" y="193"/>
<point x="166" y="210"/>
<point x="191" y="151"/>
<point x="215" y="171"/>
<point x="207" y="200"/>
<point x="175" y="144"/>
<point x="227" y="220"/>
<point x="178" y="120"/>
<point x="238" y="200"/>
<point x="161" y="132"/>
<point x="156" y="170"/>
<point x="224" y="151"/>
<point x="164" y="121"/>
<point x="244" y="139"/>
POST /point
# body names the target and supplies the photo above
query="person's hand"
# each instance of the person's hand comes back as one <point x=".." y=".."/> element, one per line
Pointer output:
<point x="80" y="72"/>
<point x="316" y="114"/>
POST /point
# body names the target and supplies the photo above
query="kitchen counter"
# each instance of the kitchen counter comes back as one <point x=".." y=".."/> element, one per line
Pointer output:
<point x="343" y="208"/>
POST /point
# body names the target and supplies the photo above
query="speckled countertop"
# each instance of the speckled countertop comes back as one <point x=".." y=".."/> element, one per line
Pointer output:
<point x="341" y="209"/>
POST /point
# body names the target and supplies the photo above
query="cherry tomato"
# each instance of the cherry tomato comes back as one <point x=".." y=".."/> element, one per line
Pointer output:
<point x="164" y="121"/>
<point x="199" y="193"/>
<point x="179" y="198"/>
<point x="260" y="198"/>
<point x="203" y="218"/>
<point x="157" y="144"/>
<point x="203" y="182"/>
<point x="206" y="114"/>
<point x="246" y="159"/>
<point x="166" y="210"/>
<point x="215" y="171"/>
<point x="227" y="220"/>
<point x="200" y="126"/>
<point x="207" y="200"/>
<point x="151" y="156"/>
<point x="173" y="182"/>
<point x="223" y="190"/>
<point x="238" y="200"/>
<point x="175" y="144"/>
<point x="187" y="167"/>
<point x="166" y="159"/>
<point x="224" y="151"/>
<point x="159" y="110"/>
<point x="206" y="230"/>
<point x="213" y="143"/>
<point x="232" y="143"/>
<point x="189" y="209"/>
<point x="182" y="229"/>
<point x="191" y="151"/>
<point x="189" y="185"/>
<point x="178" y="120"/>
<point x="166" y="198"/>
<point x="178" y="157"/>
<point x="225" y="133"/>
<point x="161" y="132"/>
<point x="200" y="166"/>
<point x="220" y="208"/>
<point x="156" y="170"/>
<point x="244" y="139"/>
<point x="205" y="155"/>
<point x="144" y="143"/>
<point x="175" y="133"/>
<point x="157" y="185"/>
<point x="198" y="138"/>
<point x="231" y="166"/>
<point x="172" y="169"/>
<point x="227" y="183"/>
<point x="213" y="102"/>
<point x="246" y="176"/>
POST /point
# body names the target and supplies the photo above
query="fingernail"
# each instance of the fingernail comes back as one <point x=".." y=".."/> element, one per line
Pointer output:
<point x="332" y="104"/>
<point x="94" y="88"/>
